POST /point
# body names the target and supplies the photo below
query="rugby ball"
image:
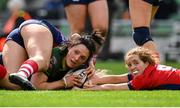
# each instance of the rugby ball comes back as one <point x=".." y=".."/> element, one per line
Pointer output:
<point x="81" y="73"/>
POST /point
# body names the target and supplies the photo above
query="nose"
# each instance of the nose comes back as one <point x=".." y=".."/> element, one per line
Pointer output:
<point x="77" y="57"/>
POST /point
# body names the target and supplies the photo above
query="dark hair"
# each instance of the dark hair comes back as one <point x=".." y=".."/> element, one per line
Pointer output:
<point x="98" y="38"/>
<point x="87" y="41"/>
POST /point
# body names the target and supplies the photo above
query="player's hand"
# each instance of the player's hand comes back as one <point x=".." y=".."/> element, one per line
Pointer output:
<point x="71" y="81"/>
<point x="90" y="71"/>
<point x="88" y="84"/>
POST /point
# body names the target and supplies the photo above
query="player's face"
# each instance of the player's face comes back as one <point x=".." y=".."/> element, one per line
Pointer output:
<point x="77" y="55"/>
<point x="135" y="64"/>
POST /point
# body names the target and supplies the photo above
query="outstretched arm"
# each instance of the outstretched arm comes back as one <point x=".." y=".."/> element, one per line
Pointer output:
<point x="39" y="80"/>
<point x="109" y="79"/>
<point x="122" y="86"/>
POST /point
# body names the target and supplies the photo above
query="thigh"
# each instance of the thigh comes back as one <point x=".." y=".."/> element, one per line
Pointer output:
<point x="76" y="16"/>
<point x="38" y="41"/>
<point x="98" y="13"/>
<point x="140" y="13"/>
<point x="13" y="56"/>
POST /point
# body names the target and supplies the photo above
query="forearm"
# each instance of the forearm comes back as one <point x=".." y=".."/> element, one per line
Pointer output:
<point x="51" y="85"/>
<point x="40" y="81"/>
<point x="109" y="79"/>
<point x="110" y="87"/>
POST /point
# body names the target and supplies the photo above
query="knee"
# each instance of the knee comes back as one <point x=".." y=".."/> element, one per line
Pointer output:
<point x="45" y="64"/>
<point x="141" y="35"/>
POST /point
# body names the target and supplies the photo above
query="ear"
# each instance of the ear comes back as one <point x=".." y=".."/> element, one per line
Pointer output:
<point x="146" y="63"/>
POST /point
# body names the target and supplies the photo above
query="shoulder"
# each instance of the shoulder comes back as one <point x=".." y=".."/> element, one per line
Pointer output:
<point x="62" y="49"/>
<point x="59" y="52"/>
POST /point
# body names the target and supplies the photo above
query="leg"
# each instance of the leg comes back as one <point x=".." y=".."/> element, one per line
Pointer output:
<point x="13" y="56"/>
<point x="154" y="10"/>
<point x="38" y="43"/>
<point x="141" y="14"/>
<point x="99" y="16"/>
<point x="76" y="16"/>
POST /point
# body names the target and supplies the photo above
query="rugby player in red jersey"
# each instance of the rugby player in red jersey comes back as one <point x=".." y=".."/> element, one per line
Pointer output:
<point x="144" y="74"/>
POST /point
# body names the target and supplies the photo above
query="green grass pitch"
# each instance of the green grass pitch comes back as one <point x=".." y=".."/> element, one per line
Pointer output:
<point x="159" y="98"/>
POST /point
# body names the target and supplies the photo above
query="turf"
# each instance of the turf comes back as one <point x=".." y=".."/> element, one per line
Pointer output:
<point x="113" y="67"/>
<point x="89" y="98"/>
<point x="60" y="98"/>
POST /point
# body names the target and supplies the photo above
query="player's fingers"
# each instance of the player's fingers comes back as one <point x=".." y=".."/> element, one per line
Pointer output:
<point x="77" y="83"/>
<point x="75" y="77"/>
<point x="90" y="73"/>
<point x="88" y="84"/>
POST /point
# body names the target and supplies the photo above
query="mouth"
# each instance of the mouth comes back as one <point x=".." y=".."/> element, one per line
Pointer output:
<point x="135" y="72"/>
<point x="73" y="62"/>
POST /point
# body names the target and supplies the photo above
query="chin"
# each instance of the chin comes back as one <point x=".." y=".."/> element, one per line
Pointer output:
<point x="71" y="65"/>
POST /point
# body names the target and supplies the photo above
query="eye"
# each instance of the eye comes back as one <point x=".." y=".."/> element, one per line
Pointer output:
<point x="76" y="52"/>
<point x="83" y="58"/>
<point x="136" y="62"/>
<point x="129" y="65"/>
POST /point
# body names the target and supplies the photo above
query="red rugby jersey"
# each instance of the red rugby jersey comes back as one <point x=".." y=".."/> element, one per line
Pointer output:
<point x="156" y="77"/>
